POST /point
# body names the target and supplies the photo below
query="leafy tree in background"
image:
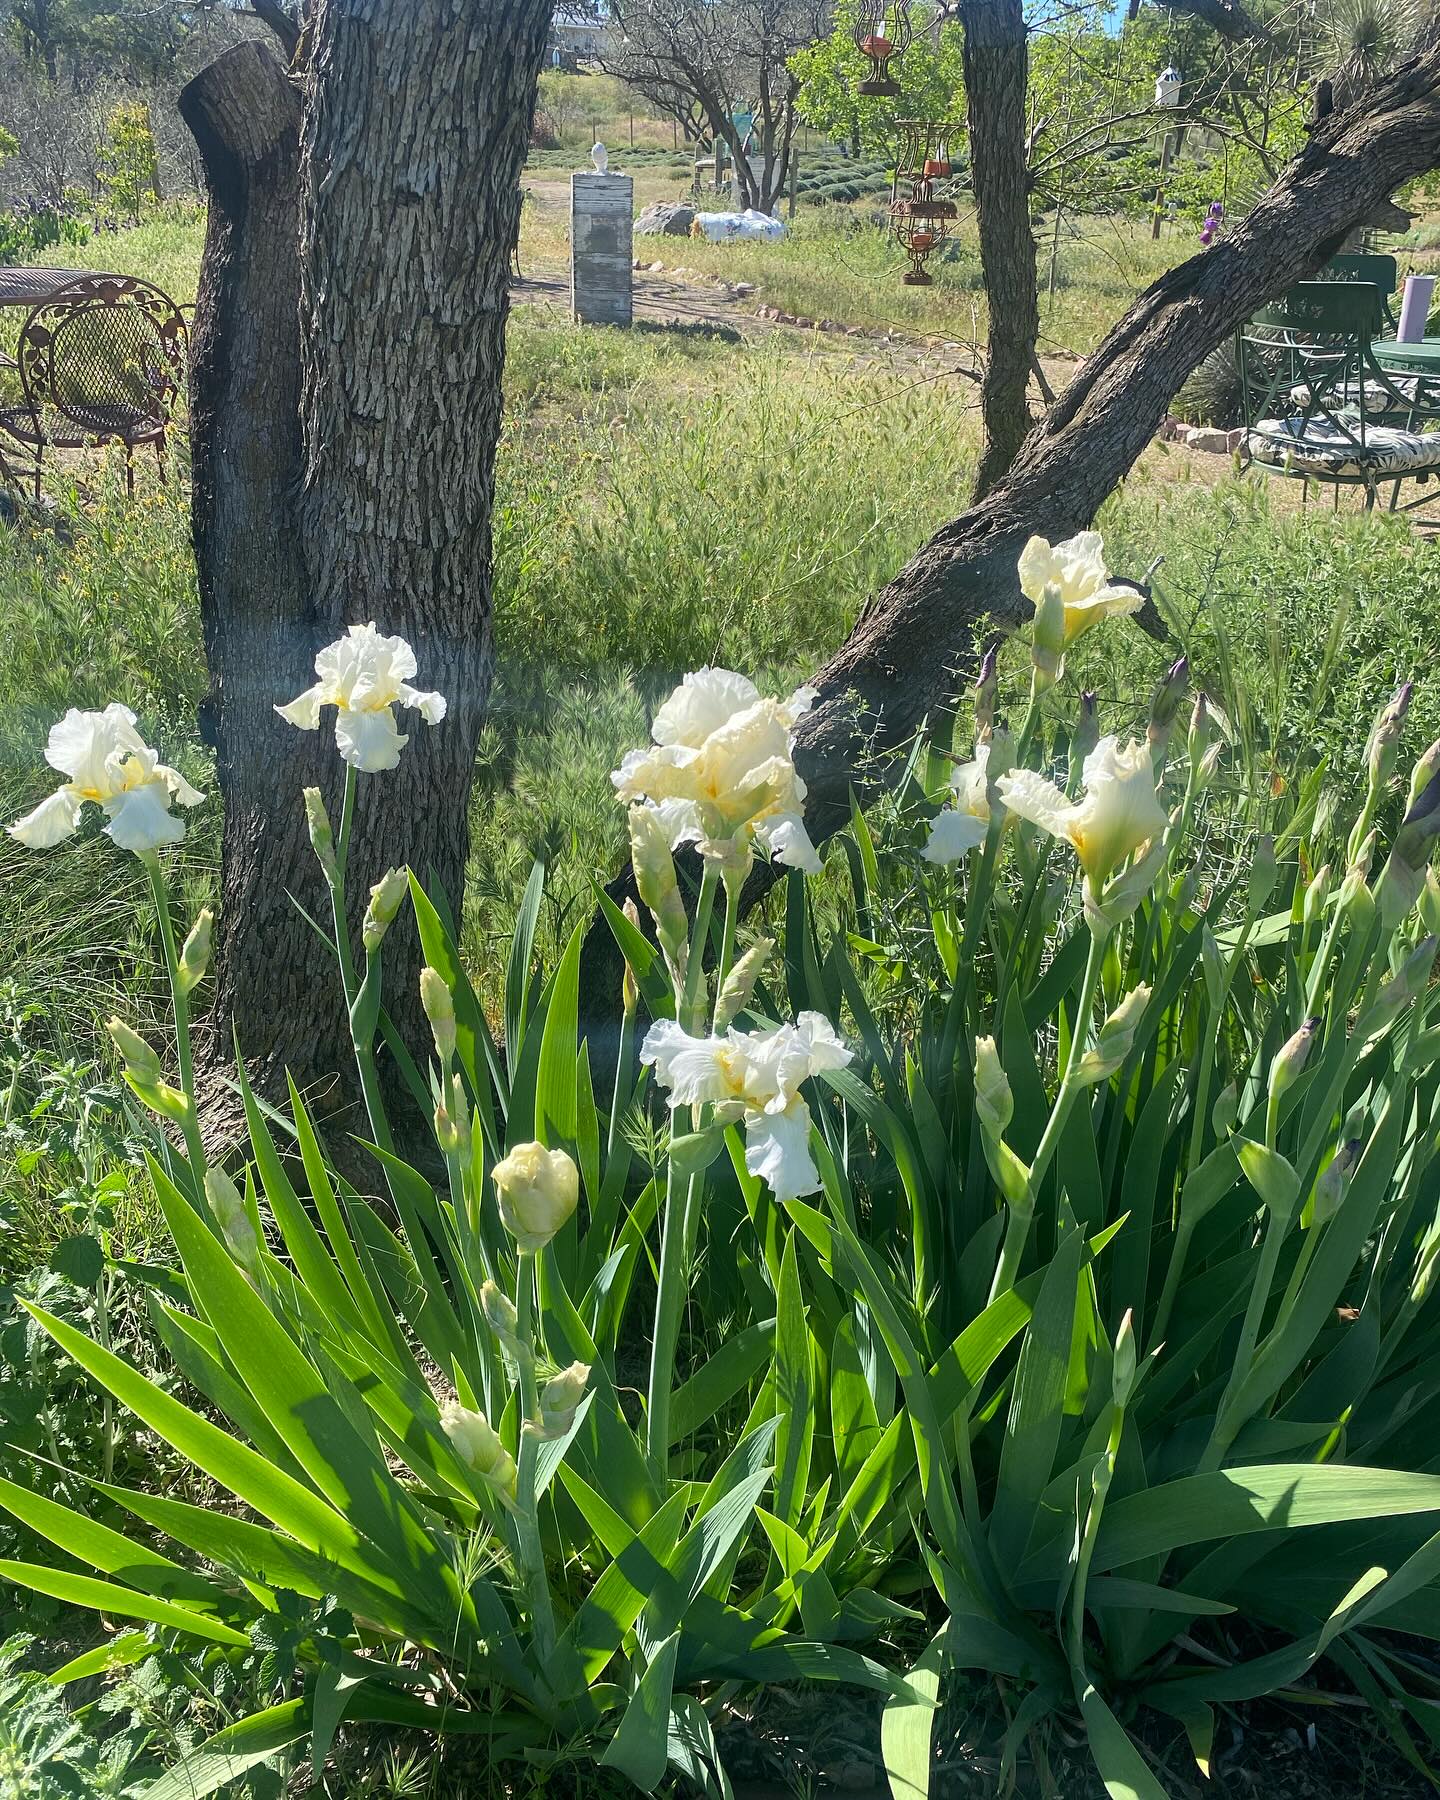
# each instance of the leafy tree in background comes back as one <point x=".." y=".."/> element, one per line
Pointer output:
<point x="830" y="70"/>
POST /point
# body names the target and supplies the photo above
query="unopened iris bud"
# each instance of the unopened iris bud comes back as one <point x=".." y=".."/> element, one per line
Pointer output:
<point x="1116" y="1039"/>
<point x="452" y="1122"/>
<point x="1430" y="902"/>
<point x="987" y="687"/>
<point x="1165" y="705"/>
<point x="629" y="986"/>
<point x="1334" y="1182"/>
<point x="739" y="984"/>
<point x="654" y="868"/>
<point x="386" y="898"/>
<point x="1316" y="895"/>
<point x="1262" y="874"/>
<point x="501" y="1316"/>
<point x="1047" y="640"/>
<point x="1424" y="772"/>
<point x="559" y="1401"/>
<point x="1403" y="876"/>
<point x="322" y="838"/>
<point x="478" y="1446"/>
<point x="994" y="1102"/>
<point x="1292" y="1056"/>
<point x="439" y="1004"/>
<point x="141" y="1062"/>
<point x="232" y="1218"/>
<point x="1122" y="1376"/>
<point x="1086" y="734"/>
<point x="1383" y="747"/>
<point x="195" y="954"/>
<point x="1405" y="986"/>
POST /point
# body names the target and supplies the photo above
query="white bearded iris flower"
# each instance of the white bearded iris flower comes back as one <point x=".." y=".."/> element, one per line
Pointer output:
<point x="1077" y="568"/>
<point x="754" y="1076"/>
<point x="961" y="827"/>
<point x="720" y="772"/>
<point x="1118" y="813"/>
<point x="365" y="677"/>
<point x="110" y="765"/>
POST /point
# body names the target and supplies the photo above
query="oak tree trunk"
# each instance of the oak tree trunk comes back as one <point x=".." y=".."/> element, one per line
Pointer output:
<point x="996" y="63"/>
<point x="388" y="339"/>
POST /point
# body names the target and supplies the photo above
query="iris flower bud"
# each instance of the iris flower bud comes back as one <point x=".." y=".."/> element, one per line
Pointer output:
<point x="629" y="986"/>
<point x="322" y="838"/>
<point x="195" y="955"/>
<point x="1165" y="704"/>
<point x="386" y="898"/>
<point x="1116" y="1039"/>
<point x="1424" y="772"/>
<point x="559" y="1401"/>
<point x="1122" y="1378"/>
<point x="439" y="1004"/>
<point x="994" y="1102"/>
<point x="478" y="1446"/>
<point x="1334" y="1181"/>
<point x="655" y="877"/>
<point x="232" y="1218"/>
<point x="739" y="984"/>
<point x="1403" y="876"/>
<point x="500" y="1316"/>
<point x="1383" y="747"/>
<point x="1291" y="1057"/>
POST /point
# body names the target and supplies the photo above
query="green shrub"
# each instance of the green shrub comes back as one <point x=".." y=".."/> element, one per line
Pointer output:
<point x="1072" y="1317"/>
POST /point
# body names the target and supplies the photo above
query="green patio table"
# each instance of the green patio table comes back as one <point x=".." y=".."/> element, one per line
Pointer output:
<point x="1409" y="359"/>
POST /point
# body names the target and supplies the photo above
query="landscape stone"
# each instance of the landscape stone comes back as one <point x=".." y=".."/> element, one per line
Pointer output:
<point x="665" y="218"/>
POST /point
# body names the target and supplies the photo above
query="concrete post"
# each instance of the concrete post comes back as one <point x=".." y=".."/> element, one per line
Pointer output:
<point x="602" y="218"/>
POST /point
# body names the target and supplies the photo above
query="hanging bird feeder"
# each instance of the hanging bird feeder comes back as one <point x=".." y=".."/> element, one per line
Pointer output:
<point x="920" y="216"/>
<point x="882" y="32"/>
<point x="1167" y="87"/>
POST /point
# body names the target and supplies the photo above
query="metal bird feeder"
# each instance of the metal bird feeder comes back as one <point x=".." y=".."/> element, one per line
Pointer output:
<point x="920" y="216"/>
<point x="882" y="33"/>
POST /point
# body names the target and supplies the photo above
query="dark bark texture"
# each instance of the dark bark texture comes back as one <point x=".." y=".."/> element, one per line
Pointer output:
<point x="373" y="361"/>
<point x="996" y="63"/>
<point x="246" y="453"/>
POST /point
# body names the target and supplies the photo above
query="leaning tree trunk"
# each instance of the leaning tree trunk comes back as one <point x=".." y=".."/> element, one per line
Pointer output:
<point x="913" y="646"/>
<point x="413" y="134"/>
<point x="996" y="62"/>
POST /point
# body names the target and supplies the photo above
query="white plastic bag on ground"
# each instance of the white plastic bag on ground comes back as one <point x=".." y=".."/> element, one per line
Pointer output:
<point x="715" y="228"/>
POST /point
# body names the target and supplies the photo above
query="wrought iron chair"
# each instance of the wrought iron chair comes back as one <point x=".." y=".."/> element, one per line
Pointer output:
<point x="1315" y="395"/>
<point x="1382" y="272"/>
<point x="101" y="360"/>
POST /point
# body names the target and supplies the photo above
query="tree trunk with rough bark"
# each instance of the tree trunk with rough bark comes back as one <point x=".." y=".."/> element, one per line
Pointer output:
<point x="413" y="133"/>
<point x="996" y="64"/>
<point x="246" y="457"/>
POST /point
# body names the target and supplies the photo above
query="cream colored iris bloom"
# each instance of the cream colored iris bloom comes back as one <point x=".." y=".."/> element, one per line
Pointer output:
<point x="110" y="765"/>
<point x="1118" y="813"/>
<point x="754" y="1076"/>
<point x="720" y="773"/>
<point x="537" y="1190"/>
<point x="1077" y="568"/>
<point x="365" y="677"/>
<point x="961" y="827"/>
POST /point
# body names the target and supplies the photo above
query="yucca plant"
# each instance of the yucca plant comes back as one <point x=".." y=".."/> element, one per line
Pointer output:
<point x="1078" y="1211"/>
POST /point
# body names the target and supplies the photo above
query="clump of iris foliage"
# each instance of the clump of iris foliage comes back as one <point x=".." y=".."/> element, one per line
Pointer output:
<point x="1023" y="1265"/>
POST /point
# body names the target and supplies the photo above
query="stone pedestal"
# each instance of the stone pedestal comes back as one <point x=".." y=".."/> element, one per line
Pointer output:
<point x="602" y="214"/>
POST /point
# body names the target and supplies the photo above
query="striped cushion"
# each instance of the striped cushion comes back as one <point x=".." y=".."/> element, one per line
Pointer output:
<point x="1316" y="447"/>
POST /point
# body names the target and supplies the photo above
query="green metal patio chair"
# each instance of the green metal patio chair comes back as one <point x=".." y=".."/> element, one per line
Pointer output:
<point x="1318" y="405"/>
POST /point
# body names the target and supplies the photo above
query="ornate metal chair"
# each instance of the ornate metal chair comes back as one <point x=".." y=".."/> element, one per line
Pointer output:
<point x="101" y="360"/>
